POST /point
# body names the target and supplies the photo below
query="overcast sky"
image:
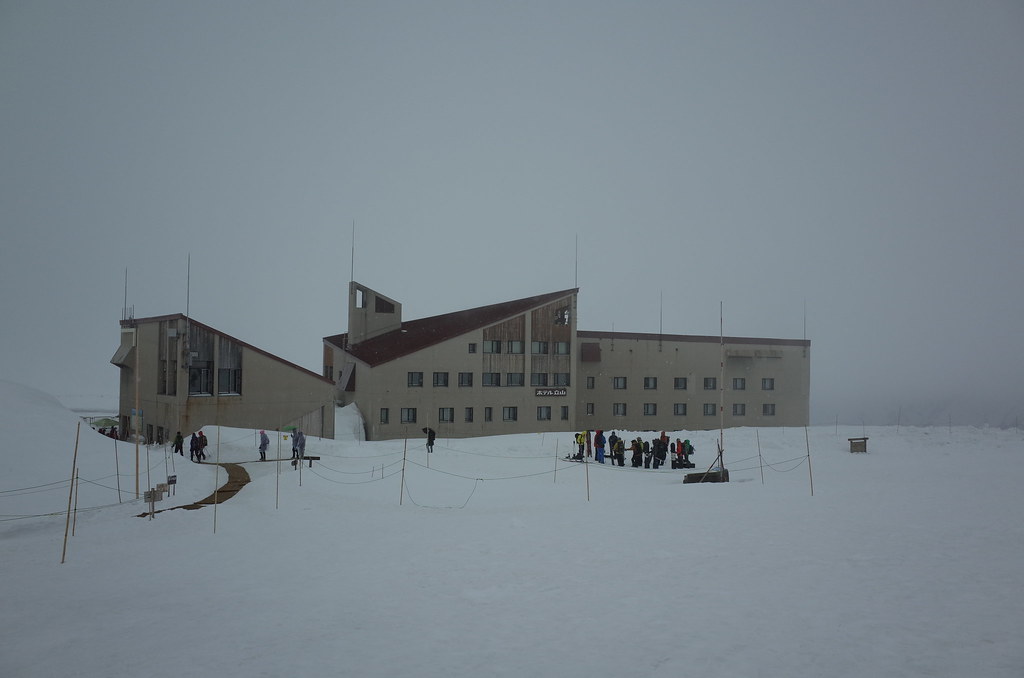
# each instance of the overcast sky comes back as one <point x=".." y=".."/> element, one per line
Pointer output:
<point x="860" y="160"/>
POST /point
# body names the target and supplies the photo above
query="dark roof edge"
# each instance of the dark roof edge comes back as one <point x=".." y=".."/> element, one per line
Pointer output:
<point x="131" y="322"/>
<point x="695" y="338"/>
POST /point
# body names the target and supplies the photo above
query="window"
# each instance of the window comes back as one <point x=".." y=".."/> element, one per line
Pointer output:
<point x="543" y="413"/>
<point x="465" y="378"/>
<point x="488" y="414"/>
<point x="618" y="382"/>
<point x="515" y="379"/>
<point x="590" y="382"/>
<point x="680" y="383"/>
<point x="710" y="383"/>
<point x="516" y="346"/>
<point x="561" y="378"/>
<point x="510" y="414"/>
<point x="472" y="347"/>
<point x="539" y="379"/>
<point x="408" y="415"/>
<point x="561" y="348"/>
<point x="565" y="413"/>
<point x="619" y="409"/>
<point x="441" y="379"/>
<point x="539" y="347"/>
<point x="446" y="415"/>
<point x="679" y="409"/>
<point x="492" y="379"/>
<point x="200" y="361"/>
<point x="739" y="410"/>
<point x="768" y="384"/>
<point x="229" y="381"/>
<point x="650" y="383"/>
<point x="492" y="347"/>
<point x="200" y="377"/>
<point x="415" y="379"/>
<point x="650" y="409"/>
<point x="739" y="384"/>
<point x="385" y="416"/>
<point x="469" y="415"/>
<point x="710" y="409"/>
<point x="229" y="367"/>
<point x="167" y="378"/>
<point x="590" y="409"/>
<point x="768" y="409"/>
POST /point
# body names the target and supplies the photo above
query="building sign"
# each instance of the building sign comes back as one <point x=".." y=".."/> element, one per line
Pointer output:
<point x="551" y="392"/>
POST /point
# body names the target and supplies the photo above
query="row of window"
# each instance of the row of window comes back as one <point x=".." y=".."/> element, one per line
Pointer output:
<point x="680" y="410"/>
<point x="681" y="383"/>
<point x="517" y="347"/>
<point x="447" y="414"/>
<point x="415" y="379"/>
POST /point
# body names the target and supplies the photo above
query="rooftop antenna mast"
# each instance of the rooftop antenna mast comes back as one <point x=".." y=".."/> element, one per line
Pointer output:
<point x="661" y="316"/>
<point x="188" y="282"/>
<point x="576" y="273"/>
<point x="352" y="263"/>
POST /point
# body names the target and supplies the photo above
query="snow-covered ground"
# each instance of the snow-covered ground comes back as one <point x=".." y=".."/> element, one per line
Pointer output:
<point x="500" y="560"/>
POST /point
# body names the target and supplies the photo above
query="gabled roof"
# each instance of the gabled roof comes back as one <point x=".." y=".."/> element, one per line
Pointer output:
<point x="417" y="335"/>
<point x="132" y="322"/>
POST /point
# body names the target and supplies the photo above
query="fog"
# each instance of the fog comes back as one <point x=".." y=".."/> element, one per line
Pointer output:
<point x="848" y="172"/>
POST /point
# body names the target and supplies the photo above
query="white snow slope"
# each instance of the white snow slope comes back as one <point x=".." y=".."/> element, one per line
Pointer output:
<point x="906" y="561"/>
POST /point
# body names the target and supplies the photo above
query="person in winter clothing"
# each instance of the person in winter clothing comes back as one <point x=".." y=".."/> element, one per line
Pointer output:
<point x="193" y="448"/>
<point x="599" y="442"/>
<point x="298" y="444"/>
<point x="264" y="444"/>
<point x="581" y="442"/>
<point x="203" y="442"/>
<point x="619" y="451"/>
<point x="638" y="453"/>
<point x="179" y="442"/>
<point x="431" y="435"/>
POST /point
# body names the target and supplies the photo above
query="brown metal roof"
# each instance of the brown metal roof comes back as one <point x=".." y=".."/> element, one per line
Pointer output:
<point x="703" y="339"/>
<point x="417" y="335"/>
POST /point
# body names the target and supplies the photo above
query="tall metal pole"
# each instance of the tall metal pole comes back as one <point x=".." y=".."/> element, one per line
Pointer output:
<point x="71" y="489"/>
<point x="138" y="378"/>
<point x="809" y="474"/>
<point x="721" y="387"/>
<point x="405" y="449"/>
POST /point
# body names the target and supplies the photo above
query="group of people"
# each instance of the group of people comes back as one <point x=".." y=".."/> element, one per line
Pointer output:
<point x="111" y="433"/>
<point x="197" y="445"/>
<point x="649" y="454"/>
<point x="298" y="445"/>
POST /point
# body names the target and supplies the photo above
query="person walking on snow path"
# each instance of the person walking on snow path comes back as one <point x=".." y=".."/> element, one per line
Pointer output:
<point x="179" y="442"/>
<point x="264" y="444"/>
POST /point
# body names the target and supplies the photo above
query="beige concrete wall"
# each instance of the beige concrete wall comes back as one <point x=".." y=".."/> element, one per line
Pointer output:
<point x="386" y="386"/>
<point x="274" y="393"/>
<point x="635" y="357"/>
